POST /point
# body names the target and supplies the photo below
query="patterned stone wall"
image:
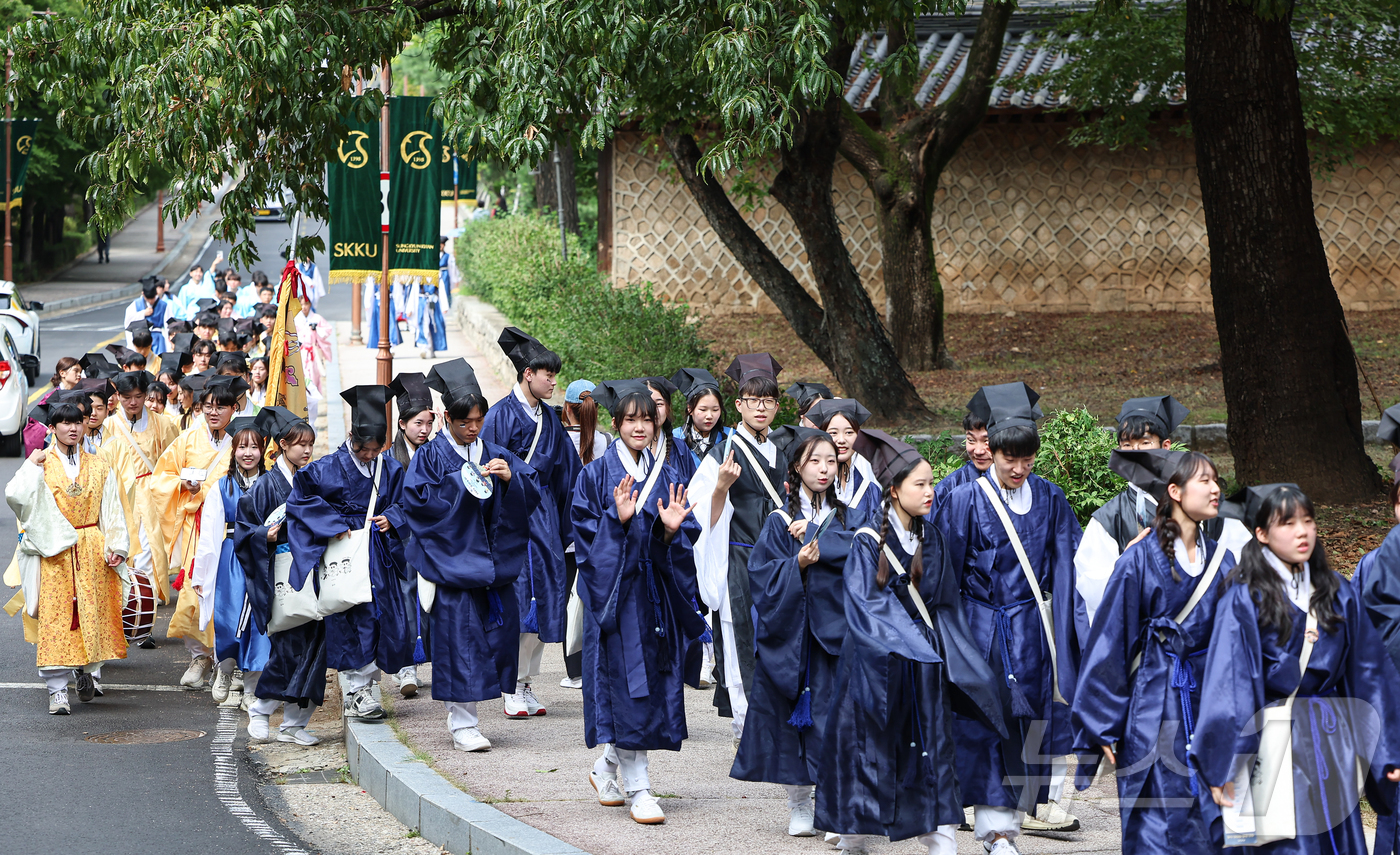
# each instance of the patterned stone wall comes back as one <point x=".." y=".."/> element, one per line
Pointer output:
<point x="1022" y="222"/>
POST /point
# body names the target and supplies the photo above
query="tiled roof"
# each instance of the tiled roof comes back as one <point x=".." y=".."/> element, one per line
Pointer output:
<point x="944" y="43"/>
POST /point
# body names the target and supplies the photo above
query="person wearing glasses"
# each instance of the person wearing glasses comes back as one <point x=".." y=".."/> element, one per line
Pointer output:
<point x="739" y="483"/>
<point x="186" y="474"/>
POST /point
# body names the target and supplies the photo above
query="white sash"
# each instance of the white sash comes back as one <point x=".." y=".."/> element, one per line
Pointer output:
<point x="539" y="427"/>
<point x="131" y="440"/>
<point x="1197" y="595"/>
<point x="1264" y="810"/>
<point x="899" y="568"/>
<point x="753" y="461"/>
<point x="1043" y="605"/>
<point x="653" y="475"/>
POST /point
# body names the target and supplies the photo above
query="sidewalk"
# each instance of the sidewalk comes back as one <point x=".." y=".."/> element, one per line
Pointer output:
<point x="537" y="770"/>
<point x="133" y="254"/>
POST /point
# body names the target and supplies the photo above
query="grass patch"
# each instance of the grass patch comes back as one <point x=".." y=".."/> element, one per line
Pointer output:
<point x="496" y="800"/>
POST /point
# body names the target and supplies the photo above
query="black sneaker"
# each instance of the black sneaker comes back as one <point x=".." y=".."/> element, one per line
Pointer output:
<point x="87" y="690"/>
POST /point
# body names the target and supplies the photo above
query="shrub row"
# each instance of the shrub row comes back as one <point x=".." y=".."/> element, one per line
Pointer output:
<point x="601" y="331"/>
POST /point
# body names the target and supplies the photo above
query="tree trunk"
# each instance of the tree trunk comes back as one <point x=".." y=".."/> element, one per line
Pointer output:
<point x="797" y="306"/>
<point x="863" y="358"/>
<point x="902" y="162"/>
<point x="1288" y="366"/>
<point x="547" y="195"/>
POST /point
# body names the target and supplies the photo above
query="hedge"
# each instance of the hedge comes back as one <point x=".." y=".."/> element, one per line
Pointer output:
<point x="600" y="331"/>
<point x="1074" y="452"/>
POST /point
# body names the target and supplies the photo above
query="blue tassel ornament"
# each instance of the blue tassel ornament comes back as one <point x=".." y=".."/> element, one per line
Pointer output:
<point x="494" y="612"/>
<point x="531" y="622"/>
<point x="801" y="717"/>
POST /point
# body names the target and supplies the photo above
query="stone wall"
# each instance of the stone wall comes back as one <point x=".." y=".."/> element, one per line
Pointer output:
<point x="1023" y="221"/>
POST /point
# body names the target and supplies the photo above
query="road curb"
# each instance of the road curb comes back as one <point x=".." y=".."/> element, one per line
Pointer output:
<point x="428" y="803"/>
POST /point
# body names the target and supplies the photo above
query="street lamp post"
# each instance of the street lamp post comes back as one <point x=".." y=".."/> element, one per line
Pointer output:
<point x="385" y="359"/>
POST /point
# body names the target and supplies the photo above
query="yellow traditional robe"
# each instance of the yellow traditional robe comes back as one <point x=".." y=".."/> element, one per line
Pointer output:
<point x="142" y="511"/>
<point x="179" y="514"/>
<point x="77" y="522"/>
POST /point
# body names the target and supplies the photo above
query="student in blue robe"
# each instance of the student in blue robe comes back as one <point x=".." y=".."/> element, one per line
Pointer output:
<point x="417" y="420"/>
<point x="633" y="536"/>
<point x="662" y="393"/>
<point x="432" y="329"/>
<point x="704" y="414"/>
<point x="739" y="483"/>
<point x="979" y="456"/>
<point x="1139" y="678"/>
<point x="1345" y="701"/>
<point x="530" y="429"/>
<point x="371" y="300"/>
<point x="329" y="499"/>
<point x="795" y="578"/>
<point x="856" y="486"/>
<point x="469" y="551"/>
<point x="888" y="763"/>
<point x="238" y="646"/>
<point x="1004" y="779"/>
<point x="295" y="671"/>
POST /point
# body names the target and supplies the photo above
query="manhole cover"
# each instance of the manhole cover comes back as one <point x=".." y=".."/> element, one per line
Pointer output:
<point x="145" y="737"/>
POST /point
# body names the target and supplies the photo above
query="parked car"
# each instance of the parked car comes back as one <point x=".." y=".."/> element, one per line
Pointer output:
<point x="273" y="208"/>
<point x="21" y="319"/>
<point x="14" y="397"/>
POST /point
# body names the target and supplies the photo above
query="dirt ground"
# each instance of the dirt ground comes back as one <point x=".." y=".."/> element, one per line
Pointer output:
<point x="1095" y="360"/>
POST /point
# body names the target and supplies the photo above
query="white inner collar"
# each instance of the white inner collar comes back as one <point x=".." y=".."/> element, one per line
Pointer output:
<point x="1018" y="500"/>
<point x="907" y="540"/>
<point x="1297" y="587"/>
<point x="138" y="426"/>
<point x="767" y="449"/>
<point x="638" y="469"/>
<point x="1192" y="568"/>
<point x="363" y="467"/>
<point x="285" y="468"/>
<point x="470" y="453"/>
<point x="535" y="411"/>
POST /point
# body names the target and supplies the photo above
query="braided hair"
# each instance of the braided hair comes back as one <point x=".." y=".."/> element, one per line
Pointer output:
<point x="1168" y="529"/>
<point x="1281" y="506"/>
<point x="804" y="451"/>
<point x="916" y="525"/>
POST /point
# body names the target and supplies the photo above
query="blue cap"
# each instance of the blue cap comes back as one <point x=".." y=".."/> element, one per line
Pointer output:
<point x="574" y="394"/>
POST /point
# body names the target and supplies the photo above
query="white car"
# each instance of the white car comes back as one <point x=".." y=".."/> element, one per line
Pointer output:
<point x="21" y="321"/>
<point x="14" y="397"/>
<point x="273" y="208"/>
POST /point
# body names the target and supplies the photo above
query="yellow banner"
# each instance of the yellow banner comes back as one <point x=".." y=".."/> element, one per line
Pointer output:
<point x="286" y="384"/>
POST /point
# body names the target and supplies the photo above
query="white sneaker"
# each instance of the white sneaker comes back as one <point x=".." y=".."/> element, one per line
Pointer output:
<point x="97" y="686"/>
<point x="237" y="684"/>
<point x="1004" y="846"/>
<point x="707" y="675"/>
<point x="515" y="706"/>
<point x="198" y="670"/>
<point x="233" y="701"/>
<point x="470" y="739"/>
<point x="408" y="681"/>
<point x="243" y="701"/>
<point x="257" y="727"/>
<point x="299" y="735"/>
<point x="532" y="704"/>
<point x="362" y="705"/>
<point x="58" y="702"/>
<point x="800" y="821"/>
<point x="1050" y="817"/>
<point x="831" y="838"/>
<point x="219" y="688"/>
<point x="645" y="808"/>
<point x="571" y="683"/>
<point x="609" y="794"/>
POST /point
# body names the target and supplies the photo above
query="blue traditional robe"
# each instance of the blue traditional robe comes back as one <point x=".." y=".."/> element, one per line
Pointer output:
<point x="232" y="638"/>
<point x="329" y="497"/>
<point x="678" y="457"/>
<point x="1147" y="713"/>
<point x="888" y="760"/>
<point x="372" y="300"/>
<point x="432" y="329"/>
<point x="683" y="448"/>
<point x="1377" y="581"/>
<point x="296" y="661"/>
<point x="1350" y="688"/>
<point x="541" y="588"/>
<point x="473" y="550"/>
<point x="1007" y="628"/>
<point x="637" y="593"/>
<point x="801" y="624"/>
<point x="862" y="499"/>
<point x="964" y="474"/>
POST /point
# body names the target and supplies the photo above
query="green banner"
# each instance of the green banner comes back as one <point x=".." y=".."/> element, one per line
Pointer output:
<point x="415" y="212"/>
<point x="21" y="143"/>
<point x="458" y="170"/>
<point x="353" y="186"/>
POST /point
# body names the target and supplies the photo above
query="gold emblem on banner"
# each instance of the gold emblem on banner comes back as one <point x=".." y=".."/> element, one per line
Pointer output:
<point x="22" y="144"/>
<point x="357" y="157"/>
<point x="420" y="157"/>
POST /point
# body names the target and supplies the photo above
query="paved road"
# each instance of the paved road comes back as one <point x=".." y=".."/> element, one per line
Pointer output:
<point x="64" y="793"/>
